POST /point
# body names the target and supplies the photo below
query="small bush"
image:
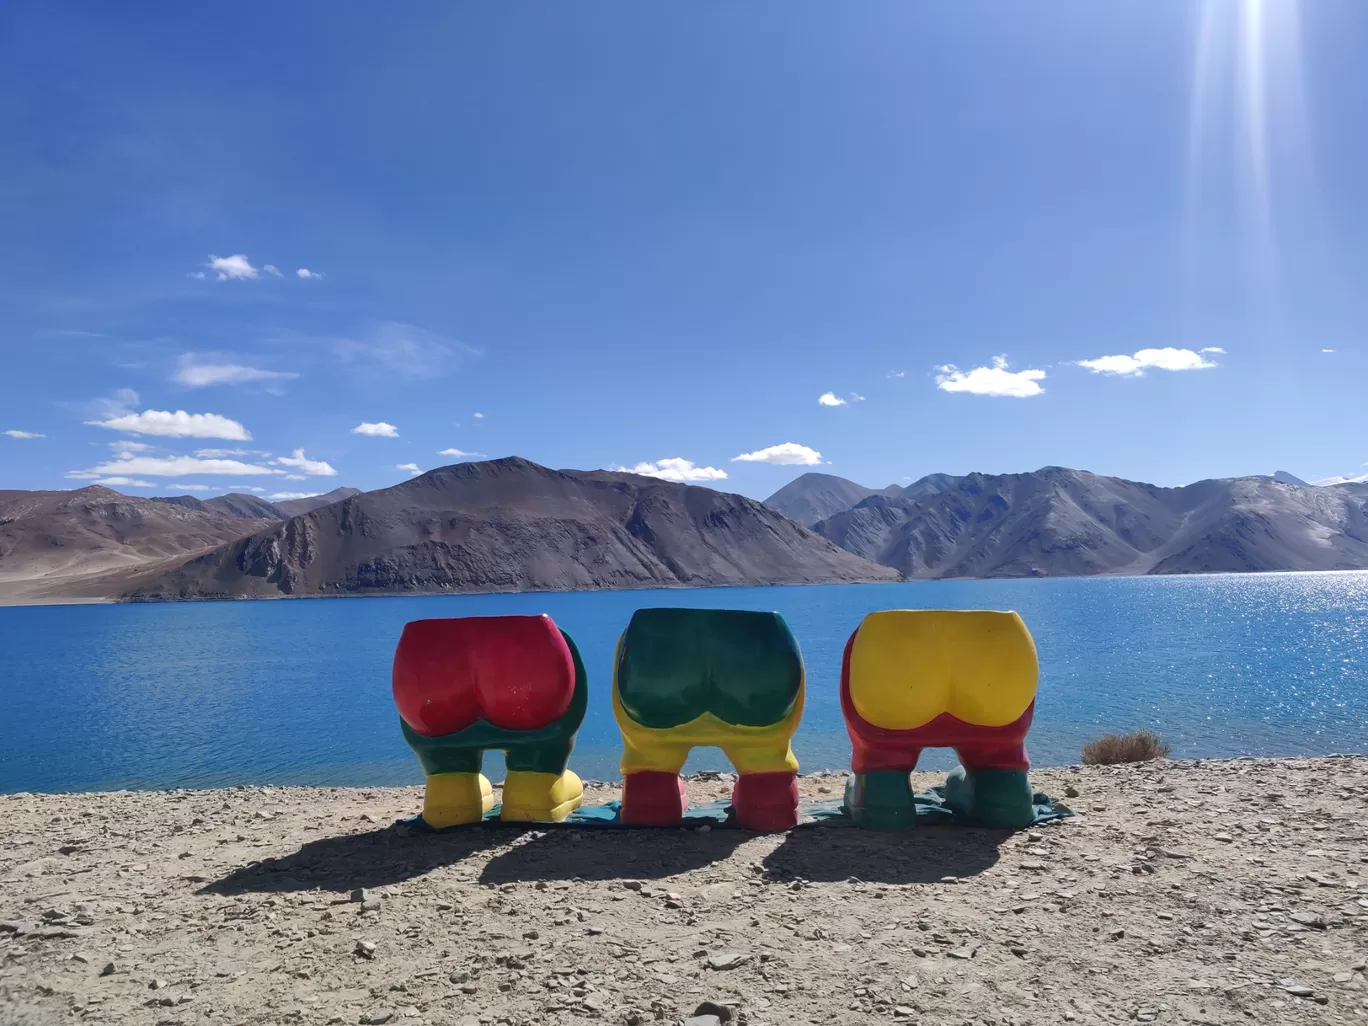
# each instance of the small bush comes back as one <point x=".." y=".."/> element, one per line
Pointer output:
<point x="1138" y="746"/>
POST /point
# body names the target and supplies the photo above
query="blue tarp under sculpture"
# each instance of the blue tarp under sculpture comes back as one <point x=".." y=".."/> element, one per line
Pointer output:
<point x="932" y="810"/>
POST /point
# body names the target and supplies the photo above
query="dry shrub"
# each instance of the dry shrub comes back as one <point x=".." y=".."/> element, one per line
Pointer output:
<point x="1137" y="746"/>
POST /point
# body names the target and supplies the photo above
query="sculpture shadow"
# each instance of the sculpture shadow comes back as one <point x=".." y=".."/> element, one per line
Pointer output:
<point x="925" y="854"/>
<point x="623" y="854"/>
<point x="383" y="857"/>
<point x="373" y="859"/>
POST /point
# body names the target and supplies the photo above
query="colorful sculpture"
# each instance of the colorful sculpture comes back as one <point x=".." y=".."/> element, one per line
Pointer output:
<point x="467" y="685"/>
<point x="914" y="679"/>
<point x="727" y="678"/>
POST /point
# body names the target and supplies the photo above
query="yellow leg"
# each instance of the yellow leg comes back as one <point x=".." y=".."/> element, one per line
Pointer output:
<point x="455" y="798"/>
<point x="767" y="756"/>
<point x="642" y="752"/>
<point x="530" y="797"/>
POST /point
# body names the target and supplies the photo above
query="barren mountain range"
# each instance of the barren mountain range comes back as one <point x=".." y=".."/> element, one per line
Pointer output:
<point x="501" y="525"/>
<point x="1060" y="522"/>
<point x="512" y="525"/>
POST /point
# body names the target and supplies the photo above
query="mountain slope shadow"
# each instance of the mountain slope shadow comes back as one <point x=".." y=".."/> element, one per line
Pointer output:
<point x="923" y="855"/>
<point x="347" y="861"/>
<point x="644" y="854"/>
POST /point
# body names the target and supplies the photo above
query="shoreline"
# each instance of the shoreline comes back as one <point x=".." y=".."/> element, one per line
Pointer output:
<point x="19" y="601"/>
<point x="1209" y="891"/>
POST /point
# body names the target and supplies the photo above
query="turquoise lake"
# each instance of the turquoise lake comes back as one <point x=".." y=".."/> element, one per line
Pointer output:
<point x="297" y="692"/>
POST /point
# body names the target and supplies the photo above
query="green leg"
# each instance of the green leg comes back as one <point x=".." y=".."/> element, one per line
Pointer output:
<point x="993" y="798"/>
<point x="881" y="800"/>
<point x="543" y="757"/>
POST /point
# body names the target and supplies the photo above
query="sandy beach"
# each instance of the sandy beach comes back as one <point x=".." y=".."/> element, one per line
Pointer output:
<point x="1209" y="892"/>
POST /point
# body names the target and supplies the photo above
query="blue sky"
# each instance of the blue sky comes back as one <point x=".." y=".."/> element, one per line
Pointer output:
<point x="244" y="246"/>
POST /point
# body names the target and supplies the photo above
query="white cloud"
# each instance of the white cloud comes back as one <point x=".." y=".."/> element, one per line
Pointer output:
<point x="460" y="453"/>
<point x="412" y="468"/>
<point x="272" y="270"/>
<point x="192" y="488"/>
<point x="1358" y="479"/>
<point x="200" y="275"/>
<point x="1212" y="349"/>
<point x="195" y="374"/>
<point x="304" y="272"/>
<point x="296" y="477"/>
<point x="15" y="433"/>
<point x="1327" y="350"/>
<point x="176" y="425"/>
<point x="128" y="445"/>
<point x="896" y="374"/>
<point x="402" y="350"/>
<point x="478" y="416"/>
<point x="1168" y="359"/>
<point x="830" y="399"/>
<point x="674" y="469"/>
<point x="996" y="380"/>
<point x="301" y="463"/>
<point x="236" y="266"/>
<point x="123" y="401"/>
<point x="278" y="496"/>
<point x="212" y="453"/>
<point x="124" y="482"/>
<point x="784" y="454"/>
<point x="379" y="429"/>
<point x="170" y="466"/>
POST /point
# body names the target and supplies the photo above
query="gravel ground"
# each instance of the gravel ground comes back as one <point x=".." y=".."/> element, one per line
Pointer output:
<point x="1204" y="892"/>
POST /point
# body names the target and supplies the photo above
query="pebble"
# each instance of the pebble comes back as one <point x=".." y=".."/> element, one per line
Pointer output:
<point x="359" y="895"/>
<point x="109" y="970"/>
<point x="1223" y="838"/>
<point x="727" y="960"/>
<point x="377" y="1017"/>
<point x="365" y="948"/>
<point x="1299" y="990"/>
<point x="703" y="1020"/>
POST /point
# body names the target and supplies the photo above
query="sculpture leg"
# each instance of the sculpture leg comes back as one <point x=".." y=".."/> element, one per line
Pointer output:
<point x="878" y="794"/>
<point x="539" y="788"/>
<point x="990" y="785"/>
<point x="766" y="792"/>
<point x="652" y="793"/>
<point x="457" y="792"/>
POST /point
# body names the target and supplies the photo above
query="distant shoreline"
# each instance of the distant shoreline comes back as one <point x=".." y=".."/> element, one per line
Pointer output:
<point x="12" y="601"/>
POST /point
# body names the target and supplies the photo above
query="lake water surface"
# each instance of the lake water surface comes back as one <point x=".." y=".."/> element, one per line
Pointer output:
<point x="297" y="691"/>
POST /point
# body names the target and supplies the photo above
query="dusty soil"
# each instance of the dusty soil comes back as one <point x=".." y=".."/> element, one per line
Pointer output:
<point x="1182" y="892"/>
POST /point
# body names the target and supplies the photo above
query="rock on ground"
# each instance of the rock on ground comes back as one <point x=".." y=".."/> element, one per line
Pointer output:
<point x="1213" y="892"/>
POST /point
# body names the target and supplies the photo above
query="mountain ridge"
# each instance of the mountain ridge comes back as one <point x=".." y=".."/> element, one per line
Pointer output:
<point x="1062" y="522"/>
<point x="513" y="525"/>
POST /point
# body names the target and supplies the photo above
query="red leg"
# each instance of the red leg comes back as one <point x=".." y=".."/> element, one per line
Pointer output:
<point x="766" y="801"/>
<point x="993" y="755"/>
<point x="653" y="798"/>
<point x="867" y="759"/>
